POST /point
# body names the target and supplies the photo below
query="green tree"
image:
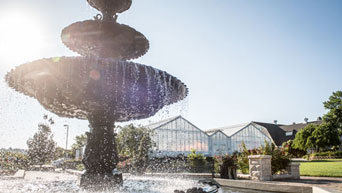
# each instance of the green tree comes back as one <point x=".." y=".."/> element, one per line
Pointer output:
<point x="304" y="139"/>
<point x="80" y="142"/>
<point x="135" y="143"/>
<point x="325" y="136"/>
<point x="42" y="147"/>
<point x="333" y="118"/>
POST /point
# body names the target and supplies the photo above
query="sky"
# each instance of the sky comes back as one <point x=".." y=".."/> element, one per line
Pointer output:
<point x="242" y="60"/>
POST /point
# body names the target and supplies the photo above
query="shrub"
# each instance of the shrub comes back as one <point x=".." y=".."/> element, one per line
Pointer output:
<point x="243" y="161"/>
<point x="291" y="151"/>
<point x="327" y="155"/>
<point x="279" y="159"/>
<point x="80" y="167"/>
<point x="196" y="161"/>
<point x="71" y="164"/>
<point x="12" y="161"/>
<point x="228" y="167"/>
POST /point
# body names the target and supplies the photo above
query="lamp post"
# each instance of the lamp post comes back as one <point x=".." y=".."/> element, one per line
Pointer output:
<point x="66" y="143"/>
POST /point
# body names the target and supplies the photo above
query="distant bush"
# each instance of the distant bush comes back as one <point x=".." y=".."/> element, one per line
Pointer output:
<point x="326" y="155"/>
<point x="71" y="164"/>
<point x="80" y="167"/>
<point x="11" y="162"/>
<point x="196" y="161"/>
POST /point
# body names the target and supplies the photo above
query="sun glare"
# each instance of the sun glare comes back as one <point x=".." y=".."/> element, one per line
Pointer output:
<point x="21" y="37"/>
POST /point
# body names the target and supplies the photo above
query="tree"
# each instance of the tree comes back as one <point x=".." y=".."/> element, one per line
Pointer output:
<point x="42" y="147"/>
<point x="333" y="118"/>
<point x="304" y="139"/>
<point x="80" y="142"/>
<point x="316" y="137"/>
<point x="325" y="136"/>
<point x="135" y="143"/>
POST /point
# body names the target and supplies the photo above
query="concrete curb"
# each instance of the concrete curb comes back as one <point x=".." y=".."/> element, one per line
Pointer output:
<point x="74" y="172"/>
<point x="20" y="174"/>
<point x="264" y="186"/>
<point x="316" y="189"/>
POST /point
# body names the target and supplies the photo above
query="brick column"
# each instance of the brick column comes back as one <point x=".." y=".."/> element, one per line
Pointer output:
<point x="293" y="170"/>
<point x="260" y="167"/>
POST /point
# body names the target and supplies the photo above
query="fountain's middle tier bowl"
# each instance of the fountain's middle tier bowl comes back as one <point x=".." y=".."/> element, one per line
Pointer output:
<point x="77" y="86"/>
<point x="105" y="39"/>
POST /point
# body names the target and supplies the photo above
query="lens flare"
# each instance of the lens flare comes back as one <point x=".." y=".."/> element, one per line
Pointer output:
<point x="21" y="37"/>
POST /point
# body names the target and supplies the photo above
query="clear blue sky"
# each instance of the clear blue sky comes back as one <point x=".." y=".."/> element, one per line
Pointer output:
<point x="242" y="60"/>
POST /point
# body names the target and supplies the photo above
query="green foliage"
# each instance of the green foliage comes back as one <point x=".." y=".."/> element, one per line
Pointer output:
<point x="80" y="167"/>
<point x="319" y="137"/>
<point x="304" y="139"/>
<point x="325" y="135"/>
<point x="228" y="167"/>
<point x="72" y="164"/>
<point x="291" y="151"/>
<point x="334" y="117"/>
<point x="135" y="143"/>
<point x="243" y="161"/>
<point x="12" y="161"/>
<point x="42" y="147"/>
<point x="279" y="159"/>
<point x="332" y="154"/>
<point x="196" y="161"/>
<point x="316" y="137"/>
<point x="80" y="142"/>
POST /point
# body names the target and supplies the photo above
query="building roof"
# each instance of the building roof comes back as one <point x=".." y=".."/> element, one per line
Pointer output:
<point x="277" y="134"/>
<point x="299" y="126"/>
<point x="229" y="130"/>
<point x="162" y="122"/>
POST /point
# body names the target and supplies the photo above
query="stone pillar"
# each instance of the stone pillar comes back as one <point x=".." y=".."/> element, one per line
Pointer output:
<point x="100" y="157"/>
<point x="293" y="170"/>
<point x="260" y="167"/>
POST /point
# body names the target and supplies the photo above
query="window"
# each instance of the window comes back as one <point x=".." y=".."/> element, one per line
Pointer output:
<point x="289" y="133"/>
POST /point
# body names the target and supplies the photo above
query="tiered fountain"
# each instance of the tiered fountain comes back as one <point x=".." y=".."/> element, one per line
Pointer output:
<point x="100" y="85"/>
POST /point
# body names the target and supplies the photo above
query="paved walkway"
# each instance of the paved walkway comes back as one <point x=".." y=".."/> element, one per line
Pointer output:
<point x="48" y="176"/>
<point x="324" y="182"/>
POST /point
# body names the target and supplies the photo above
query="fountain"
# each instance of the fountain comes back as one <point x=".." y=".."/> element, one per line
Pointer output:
<point x="101" y="85"/>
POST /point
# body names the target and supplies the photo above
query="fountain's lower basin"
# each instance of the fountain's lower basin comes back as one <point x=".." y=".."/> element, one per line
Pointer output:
<point x="42" y="182"/>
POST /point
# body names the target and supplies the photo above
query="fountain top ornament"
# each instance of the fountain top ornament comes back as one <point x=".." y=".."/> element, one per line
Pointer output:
<point x="101" y="81"/>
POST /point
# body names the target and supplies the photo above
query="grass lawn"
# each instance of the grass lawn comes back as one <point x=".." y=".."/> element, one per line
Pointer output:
<point x="326" y="168"/>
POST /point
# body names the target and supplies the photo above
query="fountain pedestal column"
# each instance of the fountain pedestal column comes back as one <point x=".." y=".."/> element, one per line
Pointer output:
<point x="100" y="157"/>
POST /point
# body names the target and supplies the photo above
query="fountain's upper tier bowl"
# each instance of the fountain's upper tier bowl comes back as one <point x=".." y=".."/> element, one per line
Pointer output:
<point x="105" y="39"/>
<point x="77" y="86"/>
<point x="111" y="6"/>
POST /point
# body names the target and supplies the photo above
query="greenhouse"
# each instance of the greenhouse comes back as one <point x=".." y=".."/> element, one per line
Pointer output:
<point x="177" y="136"/>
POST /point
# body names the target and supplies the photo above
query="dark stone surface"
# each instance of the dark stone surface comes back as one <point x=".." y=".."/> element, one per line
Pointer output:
<point x="100" y="156"/>
<point x="101" y="182"/>
<point x="76" y="86"/>
<point x="110" y="7"/>
<point x="191" y="190"/>
<point x="105" y="39"/>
